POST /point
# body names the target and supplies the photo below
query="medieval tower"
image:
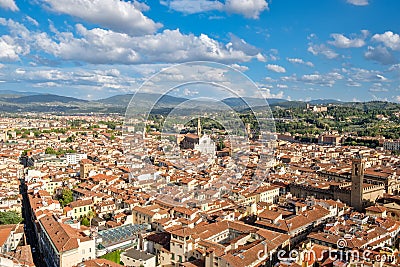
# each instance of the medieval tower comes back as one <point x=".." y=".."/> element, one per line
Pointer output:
<point x="357" y="185"/>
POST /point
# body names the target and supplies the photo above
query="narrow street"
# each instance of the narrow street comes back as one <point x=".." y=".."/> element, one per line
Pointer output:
<point x="29" y="229"/>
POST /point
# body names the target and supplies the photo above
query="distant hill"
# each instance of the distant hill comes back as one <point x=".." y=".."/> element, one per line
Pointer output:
<point x="14" y="101"/>
<point x="15" y="94"/>
<point x="246" y="102"/>
<point x="45" y="98"/>
<point x="141" y="99"/>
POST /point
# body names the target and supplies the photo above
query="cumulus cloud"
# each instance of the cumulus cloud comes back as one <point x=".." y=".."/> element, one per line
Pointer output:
<point x="95" y="79"/>
<point x="248" y="8"/>
<point x="266" y="93"/>
<point x="8" y="49"/>
<point x="188" y="92"/>
<point x="377" y="87"/>
<point x="282" y="86"/>
<point x="117" y="15"/>
<point x="9" y="4"/>
<point x="193" y="6"/>
<point x="322" y="50"/>
<point x="358" y="2"/>
<point x="14" y="44"/>
<point x="167" y="46"/>
<point x="300" y="61"/>
<point x="328" y="79"/>
<point x="276" y="68"/>
<point x="380" y="54"/>
<point x="358" y="75"/>
<point x="389" y="39"/>
<point x="238" y="67"/>
<point x="341" y="41"/>
<point x="141" y="6"/>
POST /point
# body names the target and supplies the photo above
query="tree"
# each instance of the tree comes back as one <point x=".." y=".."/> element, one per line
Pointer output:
<point x="90" y="215"/>
<point x="85" y="221"/>
<point x="50" y="150"/>
<point x="10" y="217"/>
<point x="66" y="197"/>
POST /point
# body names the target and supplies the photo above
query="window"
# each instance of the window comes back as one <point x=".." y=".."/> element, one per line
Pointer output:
<point x="173" y="256"/>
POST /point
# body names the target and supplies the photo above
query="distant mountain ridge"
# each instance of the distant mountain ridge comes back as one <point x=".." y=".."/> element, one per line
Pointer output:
<point x="13" y="101"/>
<point x="45" y="98"/>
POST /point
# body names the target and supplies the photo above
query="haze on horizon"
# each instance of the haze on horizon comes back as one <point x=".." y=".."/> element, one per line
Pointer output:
<point x="346" y="50"/>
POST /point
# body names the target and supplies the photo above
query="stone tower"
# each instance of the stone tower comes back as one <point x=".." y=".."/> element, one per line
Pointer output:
<point x="357" y="183"/>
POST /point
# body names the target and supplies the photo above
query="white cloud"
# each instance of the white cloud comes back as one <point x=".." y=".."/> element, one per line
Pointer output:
<point x="141" y="6"/>
<point x="328" y="79"/>
<point x="238" y="67"/>
<point x="193" y="6"/>
<point x="188" y="92"/>
<point x="358" y="75"/>
<point x="389" y="39"/>
<point x="247" y="8"/>
<point x="95" y="79"/>
<point x="377" y="87"/>
<point x="380" y="54"/>
<point x="9" y="4"/>
<point x="167" y="46"/>
<point x="323" y="50"/>
<point x="14" y="44"/>
<point x="352" y="83"/>
<point x="32" y="20"/>
<point x="85" y="45"/>
<point x="358" y="2"/>
<point x="282" y="86"/>
<point x="276" y="68"/>
<point x="342" y="41"/>
<point x="300" y="61"/>
<point x="116" y="15"/>
<point x="8" y="50"/>
<point x="266" y="93"/>
<point x="394" y="67"/>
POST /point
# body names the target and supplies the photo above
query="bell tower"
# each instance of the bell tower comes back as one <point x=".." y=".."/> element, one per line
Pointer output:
<point x="357" y="182"/>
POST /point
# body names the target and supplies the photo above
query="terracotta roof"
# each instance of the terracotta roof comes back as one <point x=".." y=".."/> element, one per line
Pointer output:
<point x="101" y="263"/>
<point x="63" y="236"/>
<point x="80" y="203"/>
<point x="5" y="231"/>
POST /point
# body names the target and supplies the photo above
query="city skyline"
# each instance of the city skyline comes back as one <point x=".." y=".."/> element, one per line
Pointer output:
<point x="344" y="50"/>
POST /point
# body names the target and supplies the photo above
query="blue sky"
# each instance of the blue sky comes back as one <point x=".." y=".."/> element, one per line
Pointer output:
<point x="298" y="50"/>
